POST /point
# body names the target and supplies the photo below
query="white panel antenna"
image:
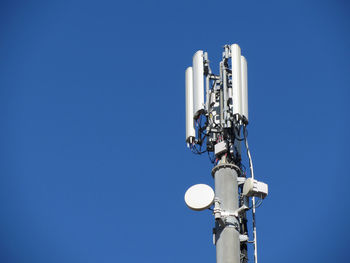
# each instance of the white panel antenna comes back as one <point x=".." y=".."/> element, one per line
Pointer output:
<point x="198" y="83"/>
<point x="190" y="131"/>
<point x="244" y="72"/>
<point x="255" y="188"/>
<point x="236" y="92"/>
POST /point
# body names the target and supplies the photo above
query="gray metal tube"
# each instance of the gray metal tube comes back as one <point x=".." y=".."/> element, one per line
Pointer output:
<point x="227" y="235"/>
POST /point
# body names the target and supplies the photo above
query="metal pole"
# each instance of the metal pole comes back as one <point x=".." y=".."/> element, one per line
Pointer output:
<point x="227" y="230"/>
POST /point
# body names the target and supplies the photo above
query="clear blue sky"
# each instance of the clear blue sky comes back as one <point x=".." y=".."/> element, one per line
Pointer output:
<point x="93" y="161"/>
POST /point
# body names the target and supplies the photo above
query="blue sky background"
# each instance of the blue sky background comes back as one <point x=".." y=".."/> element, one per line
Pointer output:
<point x="93" y="161"/>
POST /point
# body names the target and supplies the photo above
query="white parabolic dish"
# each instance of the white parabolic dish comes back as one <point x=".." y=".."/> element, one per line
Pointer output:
<point x="199" y="197"/>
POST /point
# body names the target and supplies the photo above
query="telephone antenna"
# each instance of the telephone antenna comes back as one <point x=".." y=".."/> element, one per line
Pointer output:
<point x="217" y="123"/>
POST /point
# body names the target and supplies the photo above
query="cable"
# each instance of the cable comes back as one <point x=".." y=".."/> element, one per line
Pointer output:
<point x="260" y="201"/>
<point x="245" y="133"/>
<point x="244" y="170"/>
<point x="253" y="198"/>
<point x="212" y="160"/>
<point x="237" y="134"/>
<point x="196" y="151"/>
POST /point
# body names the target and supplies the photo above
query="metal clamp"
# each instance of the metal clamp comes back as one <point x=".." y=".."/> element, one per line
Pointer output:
<point x="227" y="218"/>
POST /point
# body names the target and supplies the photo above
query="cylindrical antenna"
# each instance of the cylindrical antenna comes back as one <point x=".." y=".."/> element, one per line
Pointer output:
<point x="198" y="84"/>
<point x="190" y="131"/>
<point x="225" y="94"/>
<point x="236" y="79"/>
<point x="244" y="72"/>
<point x="207" y="81"/>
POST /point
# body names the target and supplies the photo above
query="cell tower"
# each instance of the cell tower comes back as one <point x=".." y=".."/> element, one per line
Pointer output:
<point x="216" y="123"/>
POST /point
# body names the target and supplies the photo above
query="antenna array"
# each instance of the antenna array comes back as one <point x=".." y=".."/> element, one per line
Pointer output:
<point x="216" y="123"/>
